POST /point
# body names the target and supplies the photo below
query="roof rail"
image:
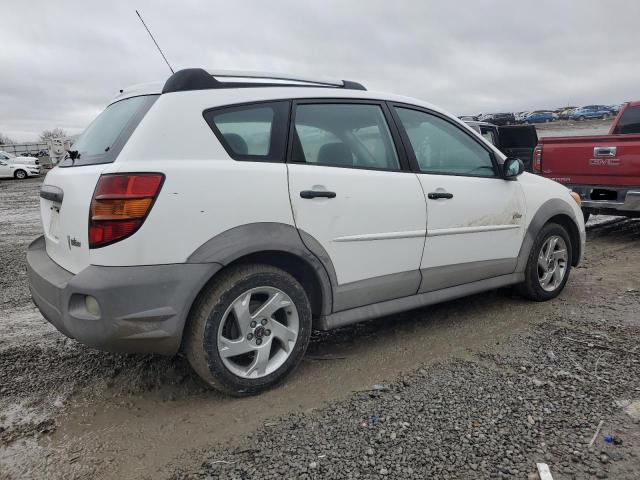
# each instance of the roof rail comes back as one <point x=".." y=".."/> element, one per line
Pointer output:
<point x="200" y="79"/>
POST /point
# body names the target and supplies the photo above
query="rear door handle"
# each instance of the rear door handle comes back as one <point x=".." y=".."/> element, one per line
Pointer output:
<point x="437" y="195"/>
<point x="317" y="193"/>
<point x="605" y="151"/>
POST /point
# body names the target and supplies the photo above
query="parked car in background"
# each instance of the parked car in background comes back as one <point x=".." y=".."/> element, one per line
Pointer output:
<point x="541" y="116"/>
<point x="7" y="157"/>
<point x="591" y="111"/>
<point x="17" y="170"/>
<point x="517" y="141"/>
<point x="521" y="117"/>
<point x="603" y="169"/>
<point x="499" y="118"/>
<point x="140" y="254"/>
<point x="565" y="114"/>
<point x="615" y="108"/>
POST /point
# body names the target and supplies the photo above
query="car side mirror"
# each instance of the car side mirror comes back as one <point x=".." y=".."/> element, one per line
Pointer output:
<point x="511" y="168"/>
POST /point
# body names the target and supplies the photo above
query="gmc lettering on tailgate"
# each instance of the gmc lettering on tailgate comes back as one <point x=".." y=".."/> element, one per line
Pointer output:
<point x="604" y="162"/>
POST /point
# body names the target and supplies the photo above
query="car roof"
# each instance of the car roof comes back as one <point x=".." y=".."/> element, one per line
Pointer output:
<point x="279" y="86"/>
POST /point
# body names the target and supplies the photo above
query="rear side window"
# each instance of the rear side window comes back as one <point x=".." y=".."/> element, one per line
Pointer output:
<point x="252" y="132"/>
<point x="343" y="135"/>
<point x="629" y="121"/>
<point x="107" y="134"/>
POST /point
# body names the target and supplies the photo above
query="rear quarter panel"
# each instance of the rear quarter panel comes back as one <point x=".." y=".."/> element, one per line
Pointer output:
<point x="205" y="192"/>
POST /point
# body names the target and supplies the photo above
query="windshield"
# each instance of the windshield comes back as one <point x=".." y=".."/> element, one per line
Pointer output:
<point x="106" y="135"/>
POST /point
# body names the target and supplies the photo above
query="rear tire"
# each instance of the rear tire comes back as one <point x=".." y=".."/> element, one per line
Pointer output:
<point x="548" y="267"/>
<point x="20" y="174"/>
<point x="248" y="329"/>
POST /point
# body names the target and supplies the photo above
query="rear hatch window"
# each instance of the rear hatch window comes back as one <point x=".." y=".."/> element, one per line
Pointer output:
<point x="107" y="134"/>
<point x="629" y="121"/>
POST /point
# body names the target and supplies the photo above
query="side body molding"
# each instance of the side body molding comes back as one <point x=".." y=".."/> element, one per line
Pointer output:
<point x="261" y="237"/>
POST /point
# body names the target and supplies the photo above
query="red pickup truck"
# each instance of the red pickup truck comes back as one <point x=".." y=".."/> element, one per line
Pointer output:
<point x="603" y="169"/>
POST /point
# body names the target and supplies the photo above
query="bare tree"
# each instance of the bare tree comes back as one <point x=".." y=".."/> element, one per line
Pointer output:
<point x="4" y="140"/>
<point x="53" y="133"/>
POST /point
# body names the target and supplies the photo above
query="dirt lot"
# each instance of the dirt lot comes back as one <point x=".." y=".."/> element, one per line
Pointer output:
<point x="479" y="388"/>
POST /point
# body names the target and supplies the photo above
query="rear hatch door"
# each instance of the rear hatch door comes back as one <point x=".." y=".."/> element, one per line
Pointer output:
<point x="65" y="197"/>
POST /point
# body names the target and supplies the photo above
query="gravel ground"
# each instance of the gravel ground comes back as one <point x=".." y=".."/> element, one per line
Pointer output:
<point x="493" y="415"/>
<point x="459" y="383"/>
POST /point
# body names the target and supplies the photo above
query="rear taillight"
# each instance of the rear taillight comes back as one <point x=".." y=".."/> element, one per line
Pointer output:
<point x="537" y="159"/>
<point x="120" y="204"/>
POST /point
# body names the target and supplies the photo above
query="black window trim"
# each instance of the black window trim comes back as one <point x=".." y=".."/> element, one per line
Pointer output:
<point x="398" y="144"/>
<point x="279" y="157"/>
<point x="413" y="161"/>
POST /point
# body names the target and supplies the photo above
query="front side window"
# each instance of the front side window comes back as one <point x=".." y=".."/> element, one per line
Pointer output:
<point x="251" y="132"/>
<point x="343" y="135"/>
<point x="629" y="121"/>
<point x="441" y="147"/>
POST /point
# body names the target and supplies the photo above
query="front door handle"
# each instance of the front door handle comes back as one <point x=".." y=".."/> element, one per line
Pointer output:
<point x="317" y="193"/>
<point x="437" y="195"/>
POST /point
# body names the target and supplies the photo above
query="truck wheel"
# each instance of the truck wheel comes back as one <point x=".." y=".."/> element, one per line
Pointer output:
<point x="20" y="174"/>
<point x="581" y="118"/>
<point x="548" y="265"/>
<point x="248" y="329"/>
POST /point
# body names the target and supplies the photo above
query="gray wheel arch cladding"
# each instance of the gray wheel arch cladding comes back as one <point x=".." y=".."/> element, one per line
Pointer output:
<point x="548" y="210"/>
<point x="270" y="237"/>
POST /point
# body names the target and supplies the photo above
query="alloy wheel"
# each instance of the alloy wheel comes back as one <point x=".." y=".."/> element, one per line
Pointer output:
<point x="552" y="263"/>
<point x="258" y="332"/>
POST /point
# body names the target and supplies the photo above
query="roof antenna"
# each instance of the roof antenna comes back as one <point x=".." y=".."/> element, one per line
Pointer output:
<point x="154" y="41"/>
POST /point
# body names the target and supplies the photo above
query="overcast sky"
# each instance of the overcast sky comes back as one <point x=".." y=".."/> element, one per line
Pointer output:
<point x="61" y="62"/>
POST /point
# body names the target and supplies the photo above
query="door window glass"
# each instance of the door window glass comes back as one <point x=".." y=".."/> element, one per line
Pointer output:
<point x="441" y="147"/>
<point x="343" y="135"/>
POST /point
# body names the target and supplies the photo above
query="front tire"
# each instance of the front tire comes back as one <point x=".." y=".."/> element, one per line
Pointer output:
<point x="20" y="174"/>
<point x="248" y="329"/>
<point x="549" y="264"/>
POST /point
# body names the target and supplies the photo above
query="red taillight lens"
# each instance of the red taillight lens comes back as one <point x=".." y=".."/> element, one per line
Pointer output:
<point x="120" y="204"/>
<point x="537" y="159"/>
